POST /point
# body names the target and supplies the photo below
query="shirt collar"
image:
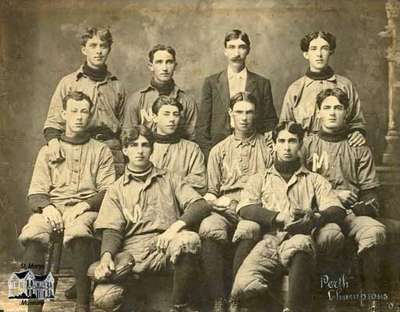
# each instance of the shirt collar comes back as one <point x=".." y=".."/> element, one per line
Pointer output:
<point x="250" y="140"/>
<point x="174" y="93"/>
<point x="78" y="140"/>
<point x="242" y="74"/>
<point x="155" y="172"/>
<point x="79" y="74"/>
<point x="301" y="171"/>
<point x="308" y="80"/>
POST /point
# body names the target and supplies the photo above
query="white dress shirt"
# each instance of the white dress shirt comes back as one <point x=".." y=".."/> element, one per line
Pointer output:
<point x="237" y="81"/>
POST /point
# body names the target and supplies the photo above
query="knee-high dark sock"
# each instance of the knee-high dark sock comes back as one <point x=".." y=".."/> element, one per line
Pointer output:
<point x="212" y="256"/>
<point x="300" y="279"/>
<point x="34" y="256"/>
<point x="242" y="250"/>
<point x="185" y="278"/>
<point x="82" y="257"/>
<point x="371" y="267"/>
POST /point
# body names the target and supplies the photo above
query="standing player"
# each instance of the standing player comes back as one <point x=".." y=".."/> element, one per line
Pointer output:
<point x="299" y="102"/>
<point x="104" y="90"/>
<point x="162" y="65"/>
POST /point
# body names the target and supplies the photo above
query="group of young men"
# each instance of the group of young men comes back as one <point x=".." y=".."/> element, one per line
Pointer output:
<point x="222" y="188"/>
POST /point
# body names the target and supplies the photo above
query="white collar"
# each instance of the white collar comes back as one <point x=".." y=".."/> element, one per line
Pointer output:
<point x="242" y="74"/>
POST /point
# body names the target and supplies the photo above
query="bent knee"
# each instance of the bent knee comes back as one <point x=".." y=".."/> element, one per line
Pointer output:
<point x="214" y="228"/>
<point x="297" y="243"/>
<point x="185" y="242"/>
<point x="330" y="239"/>
<point x="247" y="229"/>
<point x="108" y="296"/>
<point x="371" y="236"/>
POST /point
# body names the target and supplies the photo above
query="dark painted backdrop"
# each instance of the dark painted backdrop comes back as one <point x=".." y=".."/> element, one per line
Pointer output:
<point x="39" y="45"/>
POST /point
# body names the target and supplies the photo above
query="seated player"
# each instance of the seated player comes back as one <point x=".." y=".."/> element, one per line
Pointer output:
<point x="289" y="202"/>
<point x="173" y="153"/>
<point x="147" y="213"/>
<point x="299" y="102"/>
<point x="231" y="162"/>
<point x="65" y="196"/>
<point x="351" y="172"/>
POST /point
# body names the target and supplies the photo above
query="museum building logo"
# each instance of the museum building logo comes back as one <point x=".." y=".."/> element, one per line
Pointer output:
<point x="27" y="285"/>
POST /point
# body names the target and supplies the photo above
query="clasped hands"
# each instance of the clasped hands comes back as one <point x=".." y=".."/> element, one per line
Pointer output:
<point x="304" y="222"/>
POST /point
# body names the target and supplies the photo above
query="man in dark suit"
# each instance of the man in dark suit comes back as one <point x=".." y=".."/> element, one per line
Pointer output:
<point x="213" y="124"/>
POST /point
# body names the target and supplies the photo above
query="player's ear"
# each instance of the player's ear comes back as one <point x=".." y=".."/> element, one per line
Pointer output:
<point x="232" y="124"/>
<point x="150" y="66"/>
<point x="63" y="114"/>
<point x="83" y="50"/>
<point x="305" y="55"/>
<point x="155" y="118"/>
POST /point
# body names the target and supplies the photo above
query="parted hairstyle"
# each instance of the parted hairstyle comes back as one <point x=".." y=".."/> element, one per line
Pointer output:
<point x="237" y="34"/>
<point x="128" y="136"/>
<point x="305" y="41"/>
<point x="242" y="96"/>
<point x="161" y="47"/>
<point x="291" y="127"/>
<point x="77" y="96"/>
<point x="103" y="33"/>
<point x="337" y="93"/>
<point x="165" y="100"/>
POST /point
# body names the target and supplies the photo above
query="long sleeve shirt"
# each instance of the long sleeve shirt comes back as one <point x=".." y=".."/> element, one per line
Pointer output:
<point x="233" y="161"/>
<point x="88" y="169"/>
<point x="183" y="158"/>
<point x="299" y="104"/>
<point x="305" y="191"/>
<point x="132" y="206"/>
<point x="138" y="110"/>
<point x="108" y="97"/>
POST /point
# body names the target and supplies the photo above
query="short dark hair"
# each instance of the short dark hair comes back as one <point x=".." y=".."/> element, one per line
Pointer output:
<point x="242" y="96"/>
<point x="77" y="96"/>
<point x="165" y="100"/>
<point x="103" y="33"/>
<point x="237" y="34"/>
<point x="290" y="126"/>
<point x="161" y="47"/>
<point x="305" y="41"/>
<point x="129" y="135"/>
<point x="337" y="93"/>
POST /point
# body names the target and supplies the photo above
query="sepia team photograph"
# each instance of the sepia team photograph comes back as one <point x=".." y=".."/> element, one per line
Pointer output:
<point x="200" y="156"/>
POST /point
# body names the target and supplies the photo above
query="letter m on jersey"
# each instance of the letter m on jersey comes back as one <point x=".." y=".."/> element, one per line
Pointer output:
<point x="319" y="162"/>
<point x="146" y="116"/>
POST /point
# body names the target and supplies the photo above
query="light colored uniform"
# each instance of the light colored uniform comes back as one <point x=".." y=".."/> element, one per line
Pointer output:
<point x="141" y="211"/>
<point x="299" y="104"/>
<point x="108" y="97"/>
<point x="348" y="168"/>
<point x="87" y="169"/>
<point x="306" y="191"/>
<point x="138" y="110"/>
<point x="183" y="158"/>
<point x="231" y="163"/>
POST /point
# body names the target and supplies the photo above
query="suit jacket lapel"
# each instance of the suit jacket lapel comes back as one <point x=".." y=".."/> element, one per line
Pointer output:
<point x="251" y="83"/>
<point x="223" y="88"/>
